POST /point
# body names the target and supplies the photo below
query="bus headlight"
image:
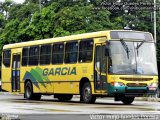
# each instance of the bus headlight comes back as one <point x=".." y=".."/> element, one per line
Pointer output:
<point x="153" y="85"/>
<point x="117" y="84"/>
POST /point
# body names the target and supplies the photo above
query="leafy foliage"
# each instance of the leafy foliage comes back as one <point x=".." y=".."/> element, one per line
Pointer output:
<point x="24" y="22"/>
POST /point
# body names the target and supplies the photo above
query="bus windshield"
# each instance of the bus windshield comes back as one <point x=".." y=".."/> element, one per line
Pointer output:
<point x="132" y="58"/>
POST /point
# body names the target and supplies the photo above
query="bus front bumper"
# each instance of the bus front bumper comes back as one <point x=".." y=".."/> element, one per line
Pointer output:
<point x="130" y="91"/>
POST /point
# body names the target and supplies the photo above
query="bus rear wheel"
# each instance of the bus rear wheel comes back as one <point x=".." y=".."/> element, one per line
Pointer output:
<point x="64" y="97"/>
<point x="127" y="100"/>
<point x="87" y="94"/>
<point x="29" y="95"/>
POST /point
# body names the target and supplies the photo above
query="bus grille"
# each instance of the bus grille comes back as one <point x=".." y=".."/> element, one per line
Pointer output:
<point x="136" y="84"/>
<point x="136" y="92"/>
<point x="136" y="79"/>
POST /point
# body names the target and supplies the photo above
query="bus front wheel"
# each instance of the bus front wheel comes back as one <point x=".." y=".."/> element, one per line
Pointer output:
<point x="29" y="92"/>
<point x="127" y="100"/>
<point x="87" y="94"/>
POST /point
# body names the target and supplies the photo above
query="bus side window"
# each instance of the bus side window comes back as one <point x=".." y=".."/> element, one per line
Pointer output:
<point x="34" y="55"/>
<point x="25" y="57"/>
<point x="6" y="58"/>
<point x="45" y="54"/>
<point x="71" y="52"/>
<point x="57" y="53"/>
<point x="85" y="51"/>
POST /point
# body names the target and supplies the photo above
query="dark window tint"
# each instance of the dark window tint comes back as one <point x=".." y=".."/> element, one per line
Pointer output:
<point x="45" y="54"/>
<point x="25" y="57"/>
<point x="85" y="51"/>
<point x="71" y="52"/>
<point x="58" y="53"/>
<point x="33" y="55"/>
<point x="6" y="58"/>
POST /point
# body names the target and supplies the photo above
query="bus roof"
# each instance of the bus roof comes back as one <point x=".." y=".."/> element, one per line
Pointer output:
<point x="61" y="39"/>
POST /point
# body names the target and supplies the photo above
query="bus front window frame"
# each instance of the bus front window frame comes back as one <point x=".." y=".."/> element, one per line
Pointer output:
<point x="134" y="57"/>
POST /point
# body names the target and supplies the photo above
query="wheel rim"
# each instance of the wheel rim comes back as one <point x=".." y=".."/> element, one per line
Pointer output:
<point x="28" y="91"/>
<point x="87" y="93"/>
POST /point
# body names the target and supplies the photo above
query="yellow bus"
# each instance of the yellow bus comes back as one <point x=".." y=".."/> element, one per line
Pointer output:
<point x="114" y="63"/>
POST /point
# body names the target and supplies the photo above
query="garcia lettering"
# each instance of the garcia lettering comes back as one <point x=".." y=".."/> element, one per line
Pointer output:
<point x="59" y="71"/>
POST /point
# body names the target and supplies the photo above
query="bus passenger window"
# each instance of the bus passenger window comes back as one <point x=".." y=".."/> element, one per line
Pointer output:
<point x="6" y="57"/>
<point x="34" y="55"/>
<point x="57" y="53"/>
<point x="25" y="57"/>
<point x="86" y="51"/>
<point x="45" y="55"/>
<point x="71" y="52"/>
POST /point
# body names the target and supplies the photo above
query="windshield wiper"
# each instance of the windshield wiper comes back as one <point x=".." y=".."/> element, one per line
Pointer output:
<point x="125" y="47"/>
<point x="138" y="46"/>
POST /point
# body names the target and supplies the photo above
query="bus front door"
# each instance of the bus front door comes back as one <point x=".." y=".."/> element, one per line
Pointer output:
<point x="100" y="67"/>
<point x="16" y="73"/>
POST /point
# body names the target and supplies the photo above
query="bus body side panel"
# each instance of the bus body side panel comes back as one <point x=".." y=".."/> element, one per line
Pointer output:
<point x="6" y="78"/>
<point x="57" y="78"/>
<point x="7" y="72"/>
<point x="40" y="83"/>
<point x="71" y="81"/>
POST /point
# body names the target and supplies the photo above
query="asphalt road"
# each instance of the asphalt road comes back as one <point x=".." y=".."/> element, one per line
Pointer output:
<point x="16" y="107"/>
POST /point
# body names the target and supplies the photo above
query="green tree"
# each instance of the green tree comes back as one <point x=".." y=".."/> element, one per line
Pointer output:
<point x="24" y="22"/>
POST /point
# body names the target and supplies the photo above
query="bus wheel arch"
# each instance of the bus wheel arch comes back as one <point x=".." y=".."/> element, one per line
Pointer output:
<point x="85" y="86"/>
<point x="82" y="82"/>
<point x="28" y="91"/>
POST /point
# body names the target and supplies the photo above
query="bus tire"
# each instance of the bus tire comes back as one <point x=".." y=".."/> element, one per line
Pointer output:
<point x="127" y="100"/>
<point x="29" y="95"/>
<point x="64" y="97"/>
<point x="28" y="91"/>
<point x="87" y="93"/>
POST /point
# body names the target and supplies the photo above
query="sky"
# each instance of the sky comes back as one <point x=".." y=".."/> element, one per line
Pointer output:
<point x="17" y="1"/>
